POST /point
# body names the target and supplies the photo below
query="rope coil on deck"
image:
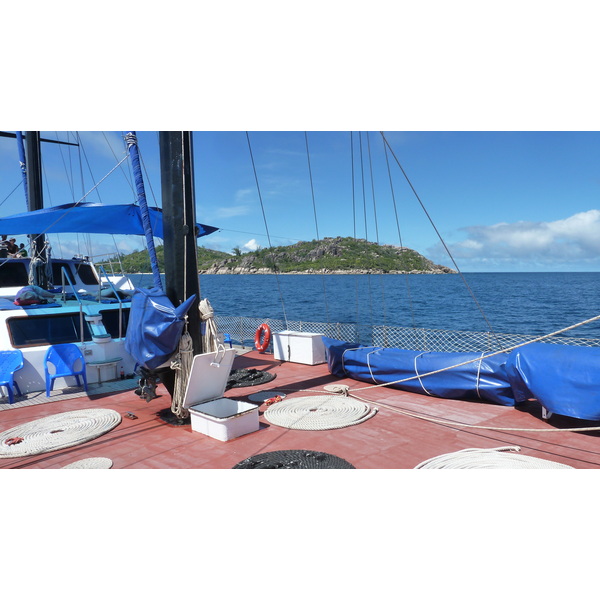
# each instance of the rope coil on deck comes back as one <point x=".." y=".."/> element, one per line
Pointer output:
<point x="91" y="463"/>
<point x="318" y="413"/>
<point x="489" y="458"/>
<point x="57" y="431"/>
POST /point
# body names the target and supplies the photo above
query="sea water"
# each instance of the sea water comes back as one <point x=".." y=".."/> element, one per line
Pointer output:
<point x="521" y="303"/>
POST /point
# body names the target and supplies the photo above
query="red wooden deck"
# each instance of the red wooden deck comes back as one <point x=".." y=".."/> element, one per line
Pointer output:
<point x="389" y="440"/>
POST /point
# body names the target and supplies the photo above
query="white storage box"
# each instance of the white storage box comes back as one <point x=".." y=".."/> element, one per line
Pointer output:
<point x="211" y="413"/>
<point x="224" y="418"/>
<point x="299" y="347"/>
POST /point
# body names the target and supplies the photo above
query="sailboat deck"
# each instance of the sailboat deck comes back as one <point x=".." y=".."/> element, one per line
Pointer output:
<point x="389" y="440"/>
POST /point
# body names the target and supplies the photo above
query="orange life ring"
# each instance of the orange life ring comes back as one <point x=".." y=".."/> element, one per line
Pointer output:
<point x="261" y="346"/>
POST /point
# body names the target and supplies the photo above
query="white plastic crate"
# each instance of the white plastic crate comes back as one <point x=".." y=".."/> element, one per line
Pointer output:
<point x="299" y="347"/>
<point x="211" y="413"/>
<point x="224" y="418"/>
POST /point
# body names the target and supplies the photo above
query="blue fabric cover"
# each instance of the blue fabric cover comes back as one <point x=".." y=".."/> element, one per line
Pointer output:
<point x="154" y="327"/>
<point x="144" y="212"/>
<point x="563" y="379"/>
<point x="485" y="380"/>
<point x="90" y="217"/>
<point x="334" y="350"/>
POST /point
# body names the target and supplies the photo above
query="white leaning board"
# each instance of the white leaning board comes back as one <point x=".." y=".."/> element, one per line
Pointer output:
<point x="208" y="376"/>
<point x="211" y="414"/>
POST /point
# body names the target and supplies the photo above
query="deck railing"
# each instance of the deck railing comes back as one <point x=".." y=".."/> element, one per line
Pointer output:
<point x="242" y="329"/>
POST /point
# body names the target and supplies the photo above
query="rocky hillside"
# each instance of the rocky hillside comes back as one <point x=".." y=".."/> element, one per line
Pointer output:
<point x="330" y="255"/>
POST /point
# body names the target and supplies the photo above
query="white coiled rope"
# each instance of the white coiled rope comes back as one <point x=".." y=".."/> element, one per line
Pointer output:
<point x="182" y="365"/>
<point x="210" y="340"/>
<point x="91" y="463"/>
<point x="57" y="431"/>
<point x="489" y="458"/>
<point x="319" y="412"/>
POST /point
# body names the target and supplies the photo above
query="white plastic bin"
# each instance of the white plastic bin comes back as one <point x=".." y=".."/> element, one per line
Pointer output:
<point x="224" y="418"/>
<point x="211" y="413"/>
<point x="299" y="347"/>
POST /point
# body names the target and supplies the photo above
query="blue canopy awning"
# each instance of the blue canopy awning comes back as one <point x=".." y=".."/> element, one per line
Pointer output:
<point x="89" y="217"/>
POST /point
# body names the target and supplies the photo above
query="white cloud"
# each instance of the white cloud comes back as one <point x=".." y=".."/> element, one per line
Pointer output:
<point x="251" y="245"/>
<point x="575" y="239"/>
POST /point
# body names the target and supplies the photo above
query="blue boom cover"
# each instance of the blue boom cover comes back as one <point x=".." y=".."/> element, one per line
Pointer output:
<point x="484" y="379"/>
<point x="564" y="379"/>
<point x="154" y="327"/>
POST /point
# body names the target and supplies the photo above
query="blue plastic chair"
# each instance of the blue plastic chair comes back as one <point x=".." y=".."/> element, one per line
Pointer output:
<point x="64" y="357"/>
<point x="10" y="361"/>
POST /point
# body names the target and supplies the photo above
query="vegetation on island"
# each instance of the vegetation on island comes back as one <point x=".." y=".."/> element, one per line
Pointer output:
<point x="340" y="255"/>
<point x="139" y="261"/>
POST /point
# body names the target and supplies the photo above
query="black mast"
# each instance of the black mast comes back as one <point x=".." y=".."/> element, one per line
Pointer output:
<point x="35" y="202"/>
<point x="179" y="218"/>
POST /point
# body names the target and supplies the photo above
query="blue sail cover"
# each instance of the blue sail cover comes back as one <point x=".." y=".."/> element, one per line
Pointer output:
<point x="89" y="217"/>
<point x="143" y="204"/>
<point x="154" y="327"/>
<point x="564" y="379"/>
<point x="484" y="379"/>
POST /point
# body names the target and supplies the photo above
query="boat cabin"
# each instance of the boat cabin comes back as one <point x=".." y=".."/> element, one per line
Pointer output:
<point x="85" y="308"/>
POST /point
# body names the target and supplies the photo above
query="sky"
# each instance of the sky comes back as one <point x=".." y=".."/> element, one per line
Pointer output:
<point x="484" y="201"/>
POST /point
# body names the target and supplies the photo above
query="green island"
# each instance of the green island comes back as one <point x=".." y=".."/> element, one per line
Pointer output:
<point x="340" y="255"/>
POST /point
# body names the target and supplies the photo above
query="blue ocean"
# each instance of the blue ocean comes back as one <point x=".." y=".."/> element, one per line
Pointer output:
<point x="519" y="303"/>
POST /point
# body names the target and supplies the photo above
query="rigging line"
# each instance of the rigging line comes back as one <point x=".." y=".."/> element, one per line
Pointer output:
<point x="362" y="174"/>
<point x="439" y="420"/>
<point x="126" y="172"/>
<point x="458" y="424"/>
<point x="312" y="190"/>
<point x="381" y="279"/>
<point x="81" y="151"/>
<point x="84" y="196"/>
<point x="12" y="192"/>
<point x="281" y="237"/>
<point x="87" y="162"/>
<point x="148" y="181"/>
<point x="69" y="177"/>
<point x="491" y="329"/>
<point x="353" y="190"/>
<point x="267" y="230"/>
<point x="406" y="278"/>
<point x="354" y="221"/>
<point x="87" y="239"/>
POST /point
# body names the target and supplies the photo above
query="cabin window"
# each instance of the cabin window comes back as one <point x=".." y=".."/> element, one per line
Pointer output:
<point x="13" y="274"/>
<point x="47" y="329"/>
<point x="110" y="320"/>
<point x="57" y="267"/>
<point x="86" y="274"/>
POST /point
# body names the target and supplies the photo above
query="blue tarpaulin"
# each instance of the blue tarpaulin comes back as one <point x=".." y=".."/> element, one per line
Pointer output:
<point x="89" y="217"/>
<point x="564" y="379"/>
<point x="483" y="379"/>
<point x="154" y="327"/>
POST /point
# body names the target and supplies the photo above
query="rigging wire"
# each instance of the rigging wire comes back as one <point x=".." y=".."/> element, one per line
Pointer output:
<point x="356" y="296"/>
<point x="12" y="192"/>
<point x="126" y="172"/>
<point x="380" y="278"/>
<point x="406" y="278"/>
<point x="440" y="238"/>
<point x="364" y="197"/>
<point x="316" y="224"/>
<point x="267" y="229"/>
